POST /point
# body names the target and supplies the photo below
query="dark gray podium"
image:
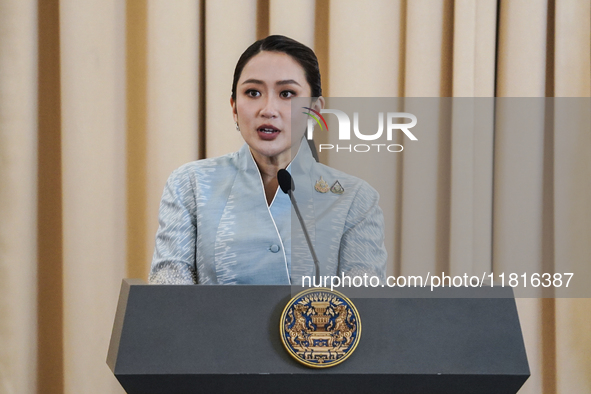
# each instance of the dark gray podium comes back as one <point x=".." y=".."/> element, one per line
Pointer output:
<point x="225" y="339"/>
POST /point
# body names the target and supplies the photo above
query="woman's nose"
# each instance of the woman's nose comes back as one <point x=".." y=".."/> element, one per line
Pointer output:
<point x="269" y="109"/>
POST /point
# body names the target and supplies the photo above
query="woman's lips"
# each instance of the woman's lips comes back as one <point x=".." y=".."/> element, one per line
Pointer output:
<point x="268" y="132"/>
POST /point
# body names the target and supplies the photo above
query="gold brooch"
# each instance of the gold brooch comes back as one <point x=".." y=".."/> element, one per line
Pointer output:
<point x="320" y="328"/>
<point x="321" y="186"/>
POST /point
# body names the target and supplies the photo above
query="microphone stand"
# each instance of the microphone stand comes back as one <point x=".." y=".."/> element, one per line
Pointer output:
<point x="287" y="186"/>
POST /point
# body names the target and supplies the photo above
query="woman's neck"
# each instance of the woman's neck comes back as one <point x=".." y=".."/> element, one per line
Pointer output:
<point x="268" y="167"/>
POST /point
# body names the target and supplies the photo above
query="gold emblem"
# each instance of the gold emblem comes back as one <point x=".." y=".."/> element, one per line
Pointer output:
<point x="321" y="186"/>
<point x="336" y="188"/>
<point x="320" y="328"/>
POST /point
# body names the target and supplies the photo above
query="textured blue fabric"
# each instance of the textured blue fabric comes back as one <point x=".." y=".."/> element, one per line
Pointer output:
<point x="217" y="228"/>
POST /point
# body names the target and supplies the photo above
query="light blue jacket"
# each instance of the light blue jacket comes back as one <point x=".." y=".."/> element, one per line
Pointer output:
<point x="217" y="228"/>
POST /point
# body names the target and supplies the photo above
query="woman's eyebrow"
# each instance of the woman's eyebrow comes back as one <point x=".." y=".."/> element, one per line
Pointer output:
<point x="287" y="82"/>
<point x="282" y="82"/>
<point x="252" y="80"/>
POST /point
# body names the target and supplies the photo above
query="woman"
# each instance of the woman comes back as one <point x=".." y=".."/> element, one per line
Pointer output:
<point x="223" y="220"/>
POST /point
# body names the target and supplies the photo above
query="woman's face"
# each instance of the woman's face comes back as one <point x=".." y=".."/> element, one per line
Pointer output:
<point x="263" y="104"/>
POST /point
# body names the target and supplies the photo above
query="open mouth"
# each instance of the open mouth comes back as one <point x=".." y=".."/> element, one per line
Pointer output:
<point x="268" y="132"/>
<point x="268" y="129"/>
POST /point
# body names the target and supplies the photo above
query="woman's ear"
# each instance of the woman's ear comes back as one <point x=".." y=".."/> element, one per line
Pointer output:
<point x="234" y="111"/>
<point x="319" y="103"/>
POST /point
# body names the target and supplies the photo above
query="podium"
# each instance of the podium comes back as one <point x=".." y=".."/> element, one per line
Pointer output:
<point x="225" y="339"/>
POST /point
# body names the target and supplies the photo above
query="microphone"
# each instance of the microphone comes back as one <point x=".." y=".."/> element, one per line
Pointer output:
<point x="285" y="181"/>
<point x="288" y="186"/>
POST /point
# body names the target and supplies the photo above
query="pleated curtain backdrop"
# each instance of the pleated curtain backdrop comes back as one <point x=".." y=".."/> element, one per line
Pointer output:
<point x="101" y="99"/>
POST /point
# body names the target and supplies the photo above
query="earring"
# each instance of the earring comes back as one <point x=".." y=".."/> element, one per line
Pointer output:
<point x="237" y="127"/>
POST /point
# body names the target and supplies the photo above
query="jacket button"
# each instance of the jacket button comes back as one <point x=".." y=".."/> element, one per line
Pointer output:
<point x="274" y="248"/>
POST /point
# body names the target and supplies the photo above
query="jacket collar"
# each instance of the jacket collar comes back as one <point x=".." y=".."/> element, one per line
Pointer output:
<point x="300" y="164"/>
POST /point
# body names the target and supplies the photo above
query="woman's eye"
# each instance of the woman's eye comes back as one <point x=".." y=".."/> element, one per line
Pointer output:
<point x="287" y="94"/>
<point x="253" y="93"/>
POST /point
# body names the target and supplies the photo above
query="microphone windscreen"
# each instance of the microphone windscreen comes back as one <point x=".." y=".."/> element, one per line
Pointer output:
<point x="285" y="181"/>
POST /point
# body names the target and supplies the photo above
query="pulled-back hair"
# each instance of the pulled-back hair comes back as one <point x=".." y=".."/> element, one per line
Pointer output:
<point x="298" y="51"/>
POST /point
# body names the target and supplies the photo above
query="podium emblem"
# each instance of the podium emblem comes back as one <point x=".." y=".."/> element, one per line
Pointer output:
<point x="320" y="328"/>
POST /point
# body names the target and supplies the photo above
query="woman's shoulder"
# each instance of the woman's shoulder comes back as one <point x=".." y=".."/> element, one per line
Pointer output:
<point x="202" y="175"/>
<point x="344" y="195"/>
<point x="209" y="166"/>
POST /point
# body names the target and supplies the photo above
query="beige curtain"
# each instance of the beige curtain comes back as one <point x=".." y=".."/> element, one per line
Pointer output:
<point x="101" y="99"/>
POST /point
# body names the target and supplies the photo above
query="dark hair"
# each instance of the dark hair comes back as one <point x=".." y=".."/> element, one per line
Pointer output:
<point x="298" y="51"/>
